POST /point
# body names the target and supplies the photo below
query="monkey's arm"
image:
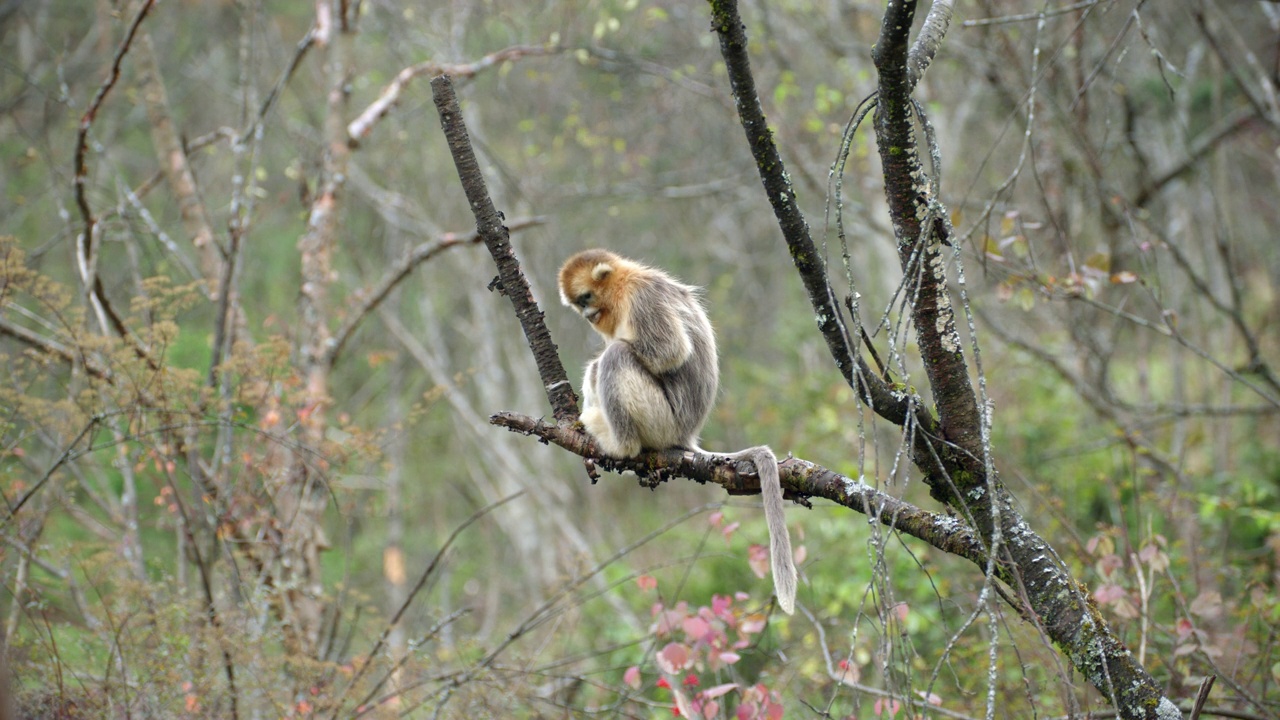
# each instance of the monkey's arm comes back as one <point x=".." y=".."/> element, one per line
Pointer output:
<point x="659" y="335"/>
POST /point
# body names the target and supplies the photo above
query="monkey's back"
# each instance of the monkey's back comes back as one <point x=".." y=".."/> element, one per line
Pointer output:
<point x="674" y="340"/>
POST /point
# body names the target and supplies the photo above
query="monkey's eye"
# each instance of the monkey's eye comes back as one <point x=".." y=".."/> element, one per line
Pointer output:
<point x="584" y="299"/>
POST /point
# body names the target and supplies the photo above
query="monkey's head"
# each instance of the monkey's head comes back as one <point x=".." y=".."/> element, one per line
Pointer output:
<point x="594" y="283"/>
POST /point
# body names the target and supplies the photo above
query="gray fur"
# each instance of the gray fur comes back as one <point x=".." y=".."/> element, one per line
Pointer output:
<point x="671" y="350"/>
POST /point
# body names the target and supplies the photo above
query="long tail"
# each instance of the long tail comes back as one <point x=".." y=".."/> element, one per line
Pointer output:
<point x="784" y="571"/>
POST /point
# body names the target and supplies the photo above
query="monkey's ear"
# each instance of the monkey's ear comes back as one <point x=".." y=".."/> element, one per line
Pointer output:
<point x="599" y="272"/>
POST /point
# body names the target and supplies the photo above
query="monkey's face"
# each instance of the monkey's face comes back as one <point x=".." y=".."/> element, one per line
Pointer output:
<point x="589" y="282"/>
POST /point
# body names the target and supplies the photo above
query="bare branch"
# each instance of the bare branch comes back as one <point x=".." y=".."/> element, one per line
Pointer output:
<point x="175" y="164"/>
<point x="952" y="453"/>
<point x="374" y="296"/>
<point x="417" y="588"/>
<point x="1025" y="17"/>
<point x="300" y="50"/>
<point x="390" y="97"/>
<point x="54" y="348"/>
<point x="920" y="232"/>
<point x="1204" y="143"/>
<point x="85" y="247"/>
<point x="800" y="478"/>
<point x="511" y="281"/>
<point x="928" y="40"/>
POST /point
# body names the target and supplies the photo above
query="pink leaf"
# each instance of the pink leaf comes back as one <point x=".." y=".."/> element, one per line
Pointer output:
<point x="716" y="518"/>
<point x="697" y="628"/>
<point x="632" y="677"/>
<point x="718" y="690"/>
<point x="886" y="706"/>
<point x="758" y="559"/>
<point x="720" y="605"/>
<point x="729" y="657"/>
<point x="1108" y="564"/>
<point x="710" y="709"/>
<point x="773" y="710"/>
<point x="647" y="582"/>
<point x="901" y="609"/>
<point x="674" y="658"/>
<point x="729" y="529"/>
<point x="1108" y="594"/>
<point x="800" y="554"/>
<point x="930" y="698"/>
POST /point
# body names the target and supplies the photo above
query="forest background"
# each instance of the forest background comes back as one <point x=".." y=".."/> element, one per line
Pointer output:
<point x="250" y="352"/>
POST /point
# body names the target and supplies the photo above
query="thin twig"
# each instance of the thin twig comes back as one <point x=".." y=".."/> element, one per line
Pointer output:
<point x="374" y="296"/>
<point x="1024" y="17"/>
<point x="422" y="582"/>
<point x="390" y="97"/>
<point x="86" y="251"/>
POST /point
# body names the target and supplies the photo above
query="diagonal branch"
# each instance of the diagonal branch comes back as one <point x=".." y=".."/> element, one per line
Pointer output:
<point x="928" y="41"/>
<point x="920" y="231"/>
<point x="54" y="348"/>
<point x="510" y="281"/>
<point x="85" y="249"/>
<point x="374" y="296"/>
<point x="390" y="97"/>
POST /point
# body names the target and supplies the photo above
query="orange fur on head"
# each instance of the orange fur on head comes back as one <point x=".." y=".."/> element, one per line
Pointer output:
<point x="595" y="283"/>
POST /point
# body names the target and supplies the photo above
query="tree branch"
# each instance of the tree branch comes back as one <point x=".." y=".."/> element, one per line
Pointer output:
<point x="85" y="248"/>
<point x="390" y="97"/>
<point x="920" y="232"/>
<point x="374" y="296"/>
<point x="893" y="406"/>
<point x="511" y="281"/>
<point x="928" y="41"/>
<point x="800" y="478"/>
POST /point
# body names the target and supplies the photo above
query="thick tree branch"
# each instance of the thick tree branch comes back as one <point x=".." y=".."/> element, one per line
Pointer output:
<point x="801" y="480"/>
<point x="920" y="231"/>
<point x="893" y="406"/>
<point x="511" y="281"/>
